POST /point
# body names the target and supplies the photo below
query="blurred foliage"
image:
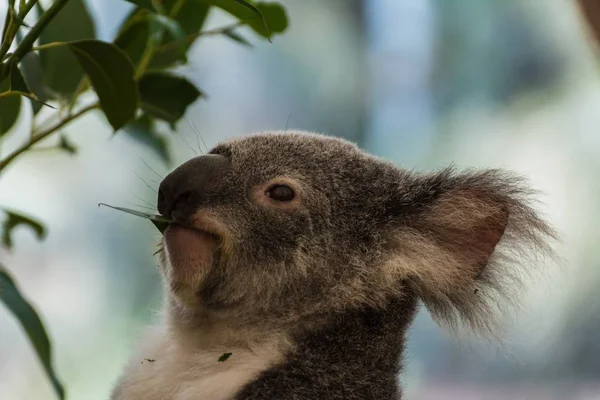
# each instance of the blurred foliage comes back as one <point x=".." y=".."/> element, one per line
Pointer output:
<point x="59" y="60"/>
<point x="27" y="316"/>
<point x="477" y="59"/>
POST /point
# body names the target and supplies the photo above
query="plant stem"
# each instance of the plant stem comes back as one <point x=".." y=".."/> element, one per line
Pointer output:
<point x="44" y="134"/>
<point x="10" y="29"/>
<point x="82" y="86"/>
<point x="25" y="46"/>
<point x="13" y="27"/>
<point x="146" y="58"/>
<point x="47" y="46"/>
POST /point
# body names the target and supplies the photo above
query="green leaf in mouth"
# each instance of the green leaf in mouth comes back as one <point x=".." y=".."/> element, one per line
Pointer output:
<point x="161" y="222"/>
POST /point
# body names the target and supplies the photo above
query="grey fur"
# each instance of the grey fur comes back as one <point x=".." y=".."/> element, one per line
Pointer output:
<point x="341" y="273"/>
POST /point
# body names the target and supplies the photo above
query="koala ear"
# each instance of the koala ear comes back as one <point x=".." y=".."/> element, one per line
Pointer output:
<point x="465" y="243"/>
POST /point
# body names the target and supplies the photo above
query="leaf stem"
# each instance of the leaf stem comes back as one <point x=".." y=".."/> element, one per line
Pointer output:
<point x="146" y="57"/>
<point x="44" y="134"/>
<point x="47" y="46"/>
<point x="9" y="30"/>
<point x="13" y="27"/>
<point x="25" y="46"/>
<point x="15" y="93"/>
<point x="82" y="86"/>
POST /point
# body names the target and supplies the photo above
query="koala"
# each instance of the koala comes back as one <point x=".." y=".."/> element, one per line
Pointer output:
<point x="296" y="263"/>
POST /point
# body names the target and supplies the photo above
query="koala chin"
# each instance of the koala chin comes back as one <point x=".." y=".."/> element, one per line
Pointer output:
<point x="297" y="262"/>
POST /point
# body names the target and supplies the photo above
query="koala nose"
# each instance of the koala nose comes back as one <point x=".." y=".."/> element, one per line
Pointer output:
<point x="181" y="191"/>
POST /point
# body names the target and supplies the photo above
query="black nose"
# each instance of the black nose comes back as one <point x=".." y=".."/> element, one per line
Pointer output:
<point x="182" y="190"/>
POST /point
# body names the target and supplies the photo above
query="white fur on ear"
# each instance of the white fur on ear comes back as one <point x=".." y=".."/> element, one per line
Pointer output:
<point x="468" y="249"/>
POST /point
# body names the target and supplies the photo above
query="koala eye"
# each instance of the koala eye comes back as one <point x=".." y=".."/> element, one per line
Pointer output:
<point x="281" y="193"/>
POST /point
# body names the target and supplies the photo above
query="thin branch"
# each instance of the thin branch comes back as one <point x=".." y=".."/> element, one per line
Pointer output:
<point x="47" y="46"/>
<point x="44" y="134"/>
<point x="10" y="30"/>
<point x="25" y="46"/>
<point x="14" y="26"/>
<point x="16" y="93"/>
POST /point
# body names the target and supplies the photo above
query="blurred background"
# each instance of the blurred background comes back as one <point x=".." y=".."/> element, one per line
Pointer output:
<point x="423" y="83"/>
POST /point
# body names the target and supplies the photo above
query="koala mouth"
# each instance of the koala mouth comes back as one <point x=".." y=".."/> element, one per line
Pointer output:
<point x="189" y="246"/>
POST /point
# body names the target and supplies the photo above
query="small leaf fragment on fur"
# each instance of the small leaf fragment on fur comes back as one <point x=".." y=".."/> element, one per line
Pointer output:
<point x="224" y="357"/>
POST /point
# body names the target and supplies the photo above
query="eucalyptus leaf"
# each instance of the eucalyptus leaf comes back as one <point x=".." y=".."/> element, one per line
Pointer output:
<point x="111" y="74"/>
<point x="133" y="35"/>
<point x="33" y="73"/>
<point x="161" y="222"/>
<point x="17" y="82"/>
<point x="147" y="4"/>
<point x="62" y="72"/>
<point x="231" y="34"/>
<point x="65" y="144"/>
<point x="265" y="18"/>
<point x="13" y="220"/>
<point x="31" y="323"/>
<point x="160" y="24"/>
<point x="166" y="96"/>
<point x="9" y="107"/>
<point x="191" y="16"/>
<point x="19" y="87"/>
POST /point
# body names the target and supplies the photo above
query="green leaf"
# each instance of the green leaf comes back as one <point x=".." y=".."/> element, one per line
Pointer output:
<point x="17" y="83"/>
<point x="13" y="220"/>
<point x="224" y="357"/>
<point x="39" y="8"/>
<point x="62" y="72"/>
<point x="186" y="18"/>
<point x="30" y="321"/>
<point x="143" y="131"/>
<point x="191" y="15"/>
<point x="275" y="16"/>
<point x="258" y="12"/>
<point x="166" y="96"/>
<point x="159" y="221"/>
<point x="9" y="107"/>
<point x="111" y="74"/>
<point x="31" y="66"/>
<point x="160" y="24"/>
<point x="66" y="145"/>
<point x="19" y="87"/>
<point x="133" y="35"/>
<point x="147" y="4"/>
<point x="230" y="33"/>
<point x="257" y="15"/>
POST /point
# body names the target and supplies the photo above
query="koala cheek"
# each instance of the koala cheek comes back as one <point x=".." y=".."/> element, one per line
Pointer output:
<point x="189" y="253"/>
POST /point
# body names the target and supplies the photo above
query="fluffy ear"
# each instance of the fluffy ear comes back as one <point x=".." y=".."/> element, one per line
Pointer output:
<point x="467" y="242"/>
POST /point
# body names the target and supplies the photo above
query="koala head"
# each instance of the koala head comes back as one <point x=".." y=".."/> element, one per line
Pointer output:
<point x="285" y="226"/>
